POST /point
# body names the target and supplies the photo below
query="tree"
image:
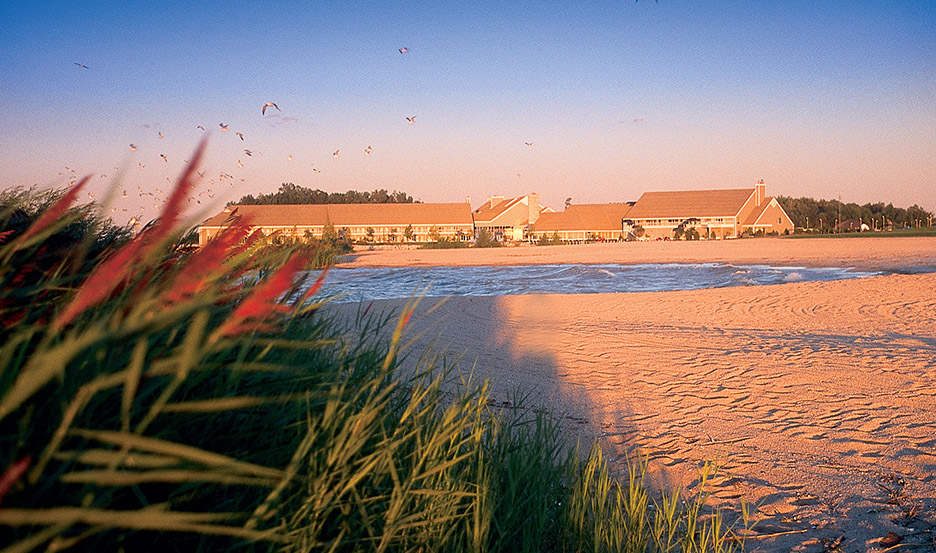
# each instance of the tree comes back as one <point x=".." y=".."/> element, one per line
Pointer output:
<point x="370" y="234"/>
<point x="408" y="233"/>
<point x="290" y="194"/>
<point x="485" y="239"/>
<point x="678" y="233"/>
<point x="392" y="235"/>
<point x="329" y="234"/>
<point x="434" y="233"/>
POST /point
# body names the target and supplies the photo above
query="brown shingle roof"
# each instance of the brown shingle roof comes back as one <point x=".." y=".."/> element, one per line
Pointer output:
<point x="690" y="203"/>
<point x="486" y="213"/>
<point x="585" y="217"/>
<point x="349" y="214"/>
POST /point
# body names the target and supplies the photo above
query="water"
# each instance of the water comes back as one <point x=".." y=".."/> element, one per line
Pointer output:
<point x="365" y="284"/>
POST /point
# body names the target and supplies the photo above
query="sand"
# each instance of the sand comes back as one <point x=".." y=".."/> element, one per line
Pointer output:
<point x="816" y="400"/>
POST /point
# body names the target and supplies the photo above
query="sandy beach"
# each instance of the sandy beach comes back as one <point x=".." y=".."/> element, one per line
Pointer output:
<point x="815" y="399"/>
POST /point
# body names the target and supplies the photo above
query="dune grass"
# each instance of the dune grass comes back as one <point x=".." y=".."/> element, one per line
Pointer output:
<point x="154" y="398"/>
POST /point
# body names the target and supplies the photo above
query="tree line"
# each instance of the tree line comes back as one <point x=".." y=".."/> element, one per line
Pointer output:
<point x="824" y="215"/>
<point x="290" y="193"/>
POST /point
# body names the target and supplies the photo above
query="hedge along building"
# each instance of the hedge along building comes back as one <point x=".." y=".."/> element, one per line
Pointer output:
<point x="713" y="213"/>
<point x="509" y="218"/>
<point x="358" y="222"/>
<point x="584" y="222"/>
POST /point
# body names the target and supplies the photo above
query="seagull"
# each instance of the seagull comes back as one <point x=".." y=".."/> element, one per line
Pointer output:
<point x="224" y="127"/>
<point x="164" y="157"/>
<point x="124" y="195"/>
<point x="289" y="157"/>
<point x="133" y="147"/>
<point x="240" y="134"/>
<point x="141" y="165"/>
<point x="160" y="135"/>
<point x="404" y="50"/>
<point x="269" y="105"/>
<point x="248" y="152"/>
<point x="83" y="66"/>
<point x="240" y="164"/>
<point x="201" y="173"/>
<point x="368" y="150"/>
<point x="336" y="155"/>
<point x="411" y="120"/>
<point x="314" y="170"/>
<point x="201" y="127"/>
<point x="528" y="143"/>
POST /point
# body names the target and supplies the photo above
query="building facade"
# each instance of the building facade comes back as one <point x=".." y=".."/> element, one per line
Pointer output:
<point x="387" y="223"/>
<point x="717" y="214"/>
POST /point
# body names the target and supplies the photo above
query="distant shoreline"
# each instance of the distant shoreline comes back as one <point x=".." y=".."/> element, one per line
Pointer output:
<point x="897" y="254"/>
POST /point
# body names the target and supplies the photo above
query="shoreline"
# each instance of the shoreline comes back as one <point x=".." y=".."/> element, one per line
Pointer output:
<point x="893" y="254"/>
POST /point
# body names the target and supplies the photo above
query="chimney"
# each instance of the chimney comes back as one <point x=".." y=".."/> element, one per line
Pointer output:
<point x="468" y="200"/>
<point x="534" y="205"/>
<point x="760" y="190"/>
<point x="494" y="200"/>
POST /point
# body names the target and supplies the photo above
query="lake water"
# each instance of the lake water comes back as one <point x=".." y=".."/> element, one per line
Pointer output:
<point x="365" y="284"/>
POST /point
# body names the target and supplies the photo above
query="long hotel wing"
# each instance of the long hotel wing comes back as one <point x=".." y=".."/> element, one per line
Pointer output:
<point x="715" y="214"/>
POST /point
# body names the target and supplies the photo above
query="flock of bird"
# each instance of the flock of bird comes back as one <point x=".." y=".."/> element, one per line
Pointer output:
<point x="159" y="197"/>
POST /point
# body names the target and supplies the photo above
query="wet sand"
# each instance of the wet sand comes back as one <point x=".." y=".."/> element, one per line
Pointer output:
<point x="816" y="399"/>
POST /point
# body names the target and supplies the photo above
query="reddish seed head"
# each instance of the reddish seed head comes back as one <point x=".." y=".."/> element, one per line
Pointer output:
<point x="261" y="303"/>
<point x="13" y="474"/>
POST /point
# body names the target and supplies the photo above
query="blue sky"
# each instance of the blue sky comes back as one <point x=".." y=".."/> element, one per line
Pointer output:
<point x="820" y="99"/>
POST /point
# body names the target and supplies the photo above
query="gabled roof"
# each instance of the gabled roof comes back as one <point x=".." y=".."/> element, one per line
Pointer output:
<point x="690" y="203"/>
<point x="585" y="217"/>
<point x="487" y="213"/>
<point x="758" y="212"/>
<point x="342" y="215"/>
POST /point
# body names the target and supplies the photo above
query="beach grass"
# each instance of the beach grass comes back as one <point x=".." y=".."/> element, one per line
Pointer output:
<point x="158" y="398"/>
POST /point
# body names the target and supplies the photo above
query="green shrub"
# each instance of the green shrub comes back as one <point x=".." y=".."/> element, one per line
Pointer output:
<point x="484" y="239"/>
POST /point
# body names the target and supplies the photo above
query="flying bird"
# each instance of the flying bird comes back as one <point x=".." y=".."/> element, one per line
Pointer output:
<point x="368" y="150"/>
<point x="411" y="120"/>
<point x="240" y="134"/>
<point x="248" y="152"/>
<point x="124" y="195"/>
<point x="83" y="66"/>
<point x="240" y="164"/>
<point x="289" y="157"/>
<point x="141" y="165"/>
<point x="224" y="127"/>
<point x="164" y="157"/>
<point x="160" y="135"/>
<point x="336" y="155"/>
<point x="201" y="127"/>
<point x="133" y="147"/>
<point x="528" y="143"/>
<point x="268" y="105"/>
<point x="404" y="50"/>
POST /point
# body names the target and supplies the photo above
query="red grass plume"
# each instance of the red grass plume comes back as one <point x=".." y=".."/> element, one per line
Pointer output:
<point x="120" y="267"/>
<point x="262" y="302"/>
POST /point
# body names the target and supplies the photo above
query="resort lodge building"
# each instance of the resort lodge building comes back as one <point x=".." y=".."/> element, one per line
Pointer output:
<point x="717" y="214"/>
<point x="509" y="218"/>
<point x="713" y="214"/>
<point x="357" y="222"/>
<point x="583" y="222"/>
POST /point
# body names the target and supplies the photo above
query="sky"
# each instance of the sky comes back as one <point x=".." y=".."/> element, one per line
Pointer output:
<point x="594" y="101"/>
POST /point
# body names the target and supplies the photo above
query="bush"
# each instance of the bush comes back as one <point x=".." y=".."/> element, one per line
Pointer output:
<point x="486" y="240"/>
